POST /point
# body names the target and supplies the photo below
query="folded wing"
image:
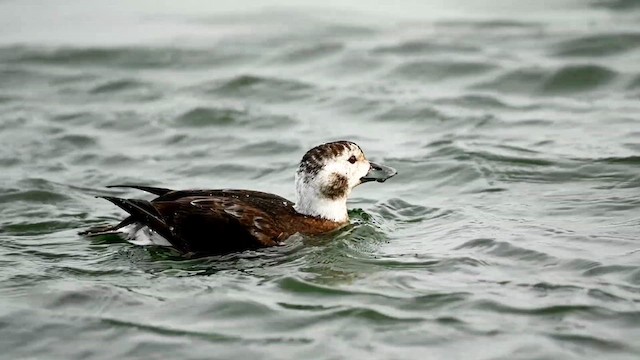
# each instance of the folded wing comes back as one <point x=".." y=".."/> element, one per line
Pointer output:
<point x="206" y="224"/>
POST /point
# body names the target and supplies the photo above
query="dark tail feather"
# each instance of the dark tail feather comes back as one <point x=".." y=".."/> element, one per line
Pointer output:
<point x="150" y="189"/>
<point x="142" y="211"/>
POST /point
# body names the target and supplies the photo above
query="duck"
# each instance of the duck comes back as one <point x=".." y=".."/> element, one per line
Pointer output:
<point x="222" y="221"/>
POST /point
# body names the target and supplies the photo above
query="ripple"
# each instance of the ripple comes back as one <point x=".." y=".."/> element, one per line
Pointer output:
<point x="635" y="83"/>
<point x="511" y="159"/>
<point x="423" y="113"/>
<point x="507" y="250"/>
<point x="435" y="70"/>
<point x="404" y="211"/>
<point x="305" y="307"/>
<point x="226" y="117"/>
<point x="229" y="169"/>
<point x="357" y="105"/>
<point x="553" y="310"/>
<point x="331" y="303"/>
<point x="307" y="53"/>
<point x="492" y="24"/>
<point x="117" y="86"/>
<point x="449" y="264"/>
<point x="404" y="208"/>
<point x="568" y="79"/>
<point x="619" y="5"/>
<point x="626" y="160"/>
<point x="575" y="78"/>
<point x="91" y="297"/>
<point x="546" y="287"/>
<point x="74" y="117"/>
<point x="125" y="90"/>
<point x="75" y="140"/>
<point x="35" y="196"/>
<point x="206" y="116"/>
<point x="90" y="272"/>
<point x="268" y="148"/>
<point x="634" y="277"/>
<point x="609" y="269"/>
<point x="264" y="88"/>
<point x="591" y="341"/>
<point x="420" y="47"/>
<point x="163" y="330"/>
<point x="120" y="57"/>
<point x="599" y="45"/>
<point x="477" y="101"/>
<point x="372" y="315"/>
<point x="8" y="99"/>
<point x="15" y="76"/>
<point x="520" y="80"/>
<point x="37" y="228"/>
<point x="559" y="171"/>
<point x="604" y="296"/>
<point x="300" y="286"/>
<point x="354" y="64"/>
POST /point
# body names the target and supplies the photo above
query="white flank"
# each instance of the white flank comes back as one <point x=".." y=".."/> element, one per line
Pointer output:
<point x="141" y="235"/>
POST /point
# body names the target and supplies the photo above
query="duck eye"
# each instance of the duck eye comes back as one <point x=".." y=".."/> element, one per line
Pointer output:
<point x="352" y="159"/>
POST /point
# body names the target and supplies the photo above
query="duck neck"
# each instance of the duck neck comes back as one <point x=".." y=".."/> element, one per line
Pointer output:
<point x="310" y="201"/>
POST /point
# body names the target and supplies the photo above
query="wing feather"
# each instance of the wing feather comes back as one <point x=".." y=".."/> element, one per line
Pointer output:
<point x="260" y="224"/>
<point x="211" y="222"/>
<point x="150" y="189"/>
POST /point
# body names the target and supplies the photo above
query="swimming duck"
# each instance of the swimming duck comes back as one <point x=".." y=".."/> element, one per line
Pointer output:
<point x="224" y="221"/>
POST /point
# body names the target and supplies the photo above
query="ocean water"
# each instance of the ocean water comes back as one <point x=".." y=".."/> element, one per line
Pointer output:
<point x="511" y="231"/>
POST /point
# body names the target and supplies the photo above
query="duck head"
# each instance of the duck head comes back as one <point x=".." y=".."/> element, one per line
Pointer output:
<point x="327" y="174"/>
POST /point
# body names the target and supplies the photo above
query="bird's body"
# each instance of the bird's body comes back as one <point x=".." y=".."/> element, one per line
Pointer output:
<point x="224" y="221"/>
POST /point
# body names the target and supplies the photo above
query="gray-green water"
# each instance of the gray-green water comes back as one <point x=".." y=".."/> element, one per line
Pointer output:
<point x="510" y="233"/>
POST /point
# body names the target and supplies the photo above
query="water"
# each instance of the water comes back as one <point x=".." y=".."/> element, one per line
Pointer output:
<point x="511" y="231"/>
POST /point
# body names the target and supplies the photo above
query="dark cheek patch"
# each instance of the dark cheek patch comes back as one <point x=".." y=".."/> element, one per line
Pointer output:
<point x="337" y="187"/>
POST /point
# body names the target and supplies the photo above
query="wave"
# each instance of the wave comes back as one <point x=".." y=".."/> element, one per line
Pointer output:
<point x="122" y="57"/>
<point x="568" y="79"/>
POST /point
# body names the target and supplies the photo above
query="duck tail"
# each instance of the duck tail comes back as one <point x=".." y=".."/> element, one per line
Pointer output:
<point x="143" y="212"/>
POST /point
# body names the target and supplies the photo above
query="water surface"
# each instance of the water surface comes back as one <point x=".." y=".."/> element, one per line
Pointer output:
<point x="510" y="233"/>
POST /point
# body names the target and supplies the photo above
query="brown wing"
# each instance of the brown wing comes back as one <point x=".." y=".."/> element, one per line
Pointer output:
<point x="259" y="223"/>
<point x="257" y="198"/>
<point x="219" y="224"/>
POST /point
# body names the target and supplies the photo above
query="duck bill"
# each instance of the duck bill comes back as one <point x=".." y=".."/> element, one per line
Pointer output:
<point x="379" y="173"/>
